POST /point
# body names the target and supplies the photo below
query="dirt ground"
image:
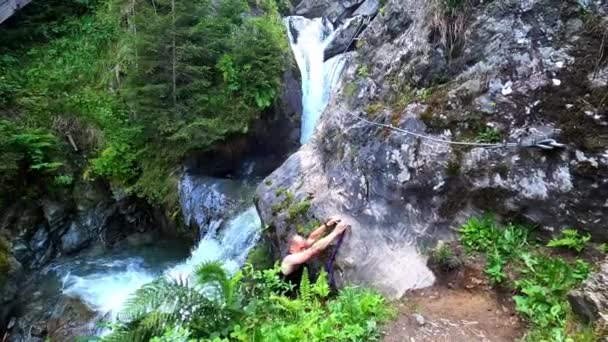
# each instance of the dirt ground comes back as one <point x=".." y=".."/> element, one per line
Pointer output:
<point x="453" y="315"/>
<point x="462" y="307"/>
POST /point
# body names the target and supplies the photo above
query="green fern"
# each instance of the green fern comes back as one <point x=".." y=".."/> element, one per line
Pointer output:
<point x="212" y="274"/>
<point x="571" y="239"/>
<point x="166" y="303"/>
<point x="305" y="287"/>
<point x="321" y="286"/>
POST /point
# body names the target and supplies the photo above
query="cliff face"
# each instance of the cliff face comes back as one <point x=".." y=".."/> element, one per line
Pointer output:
<point x="515" y="71"/>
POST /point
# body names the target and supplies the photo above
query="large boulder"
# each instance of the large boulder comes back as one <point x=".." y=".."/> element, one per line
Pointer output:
<point x="590" y="300"/>
<point x="71" y="319"/>
<point x="518" y="75"/>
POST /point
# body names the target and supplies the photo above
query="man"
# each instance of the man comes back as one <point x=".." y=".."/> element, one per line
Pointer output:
<point x="303" y="249"/>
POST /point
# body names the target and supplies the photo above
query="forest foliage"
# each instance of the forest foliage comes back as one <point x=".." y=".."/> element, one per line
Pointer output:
<point x="125" y="89"/>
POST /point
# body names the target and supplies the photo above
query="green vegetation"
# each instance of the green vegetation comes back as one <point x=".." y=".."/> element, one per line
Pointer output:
<point x="541" y="281"/>
<point x="133" y="86"/>
<point x="363" y="71"/>
<point x="571" y="239"/>
<point x="260" y="257"/>
<point x="350" y="90"/>
<point x="251" y="306"/>
<point x="374" y="108"/>
<point x="299" y="209"/>
<point x="489" y="135"/>
<point x="443" y="256"/>
<point x="284" y="204"/>
<point x="25" y="152"/>
<point x="4" y="254"/>
<point x="305" y="229"/>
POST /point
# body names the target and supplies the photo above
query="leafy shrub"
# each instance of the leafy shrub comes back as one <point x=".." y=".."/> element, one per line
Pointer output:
<point x="63" y="180"/>
<point x="571" y="239"/>
<point x="489" y="136"/>
<point x="299" y="209"/>
<point x="251" y="306"/>
<point x="443" y="255"/>
<point x="363" y="71"/>
<point x="479" y="234"/>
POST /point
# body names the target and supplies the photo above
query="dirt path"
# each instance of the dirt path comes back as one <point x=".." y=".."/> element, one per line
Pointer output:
<point x="440" y="314"/>
<point x="462" y="307"/>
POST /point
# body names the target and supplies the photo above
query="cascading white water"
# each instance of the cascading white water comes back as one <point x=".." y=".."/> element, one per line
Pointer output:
<point x="106" y="284"/>
<point x="308" y="39"/>
<point x="230" y="247"/>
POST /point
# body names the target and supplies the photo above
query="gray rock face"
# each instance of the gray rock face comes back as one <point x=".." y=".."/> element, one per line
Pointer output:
<point x="516" y="70"/>
<point x="591" y="300"/>
<point x="56" y="215"/>
<point x="368" y="8"/>
<point x="333" y="9"/>
<point x="71" y="319"/>
<point x="86" y="227"/>
<point x="343" y="37"/>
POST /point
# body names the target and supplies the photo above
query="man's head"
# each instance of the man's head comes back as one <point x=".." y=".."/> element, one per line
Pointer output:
<point x="297" y="244"/>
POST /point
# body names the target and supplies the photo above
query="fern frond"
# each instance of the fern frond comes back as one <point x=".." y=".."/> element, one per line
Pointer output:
<point x="305" y="287"/>
<point x="321" y="286"/>
<point x="213" y="274"/>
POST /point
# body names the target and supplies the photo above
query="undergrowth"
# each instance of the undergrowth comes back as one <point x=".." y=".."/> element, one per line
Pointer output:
<point x="251" y="306"/>
<point x="541" y="281"/>
<point x="570" y="239"/>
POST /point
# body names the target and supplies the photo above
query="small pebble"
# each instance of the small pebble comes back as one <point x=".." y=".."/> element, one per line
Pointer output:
<point x="556" y="82"/>
<point x="419" y="319"/>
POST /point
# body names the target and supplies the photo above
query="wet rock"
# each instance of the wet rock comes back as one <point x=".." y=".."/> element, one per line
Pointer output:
<point x="87" y="195"/>
<point x="75" y="238"/>
<point x="70" y="319"/>
<point x="203" y="201"/>
<point x="344" y="37"/>
<point x="21" y="251"/>
<point x="599" y="78"/>
<point x="41" y="239"/>
<point x="333" y="9"/>
<point x="9" y="289"/>
<point x="590" y="300"/>
<point x="368" y="8"/>
<point x="56" y="215"/>
<point x="85" y="228"/>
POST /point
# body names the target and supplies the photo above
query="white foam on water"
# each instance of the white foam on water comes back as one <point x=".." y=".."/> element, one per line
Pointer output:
<point x="106" y="291"/>
<point x="319" y="78"/>
<point x="230" y="247"/>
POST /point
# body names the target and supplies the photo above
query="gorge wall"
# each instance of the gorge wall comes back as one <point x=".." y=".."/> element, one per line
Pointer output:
<point x="491" y="71"/>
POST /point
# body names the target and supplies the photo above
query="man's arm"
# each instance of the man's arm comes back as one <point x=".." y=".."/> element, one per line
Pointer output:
<point x="320" y="245"/>
<point x="317" y="233"/>
<point x="290" y="262"/>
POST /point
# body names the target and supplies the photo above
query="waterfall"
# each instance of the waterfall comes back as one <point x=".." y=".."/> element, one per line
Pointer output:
<point x="106" y="283"/>
<point x="308" y="39"/>
<point x="230" y="247"/>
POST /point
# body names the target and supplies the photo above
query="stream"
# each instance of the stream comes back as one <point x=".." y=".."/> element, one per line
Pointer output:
<point x="222" y="208"/>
